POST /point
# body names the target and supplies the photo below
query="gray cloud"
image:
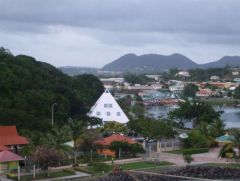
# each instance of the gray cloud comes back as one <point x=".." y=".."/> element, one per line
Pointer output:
<point x="93" y="32"/>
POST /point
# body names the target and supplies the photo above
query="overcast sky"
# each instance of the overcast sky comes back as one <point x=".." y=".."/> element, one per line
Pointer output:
<point x="95" y="32"/>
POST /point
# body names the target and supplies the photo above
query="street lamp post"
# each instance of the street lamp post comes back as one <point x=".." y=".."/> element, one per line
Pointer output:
<point x="54" y="104"/>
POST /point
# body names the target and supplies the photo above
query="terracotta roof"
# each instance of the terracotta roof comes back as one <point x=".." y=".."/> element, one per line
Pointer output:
<point x="7" y="156"/>
<point x="2" y="148"/>
<point x="115" y="137"/>
<point x="9" y="136"/>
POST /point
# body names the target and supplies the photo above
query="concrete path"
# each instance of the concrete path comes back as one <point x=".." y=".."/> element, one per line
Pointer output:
<point x="210" y="157"/>
<point x="130" y="160"/>
<point x="5" y="179"/>
<point x="78" y="175"/>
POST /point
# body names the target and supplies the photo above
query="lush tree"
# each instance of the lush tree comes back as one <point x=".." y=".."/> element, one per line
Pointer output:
<point x="190" y="90"/>
<point x="113" y="127"/>
<point x="46" y="157"/>
<point x="126" y="148"/>
<point x="136" y="79"/>
<point x="29" y="88"/>
<point x="236" y="141"/>
<point x="57" y="138"/>
<point x="93" y="121"/>
<point x="237" y="93"/>
<point x="151" y="129"/>
<point x="188" y="159"/>
<point x="196" y="139"/>
<point x="227" y="151"/>
<point x="76" y="130"/>
<point x="196" y="112"/>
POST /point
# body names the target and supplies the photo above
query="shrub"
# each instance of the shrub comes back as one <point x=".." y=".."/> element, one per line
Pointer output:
<point x="196" y="140"/>
<point x="69" y="170"/>
<point x="12" y="176"/>
<point x="227" y="151"/>
<point x="83" y="169"/>
<point x="99" y="167"/>
<point x="192" y="151"/>
<point x="188" y="158"/>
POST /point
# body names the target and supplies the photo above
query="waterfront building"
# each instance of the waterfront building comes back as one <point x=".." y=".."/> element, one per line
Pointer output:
<point x="107" y="109"/>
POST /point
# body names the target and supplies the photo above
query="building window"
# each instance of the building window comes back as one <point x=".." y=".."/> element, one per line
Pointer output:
<point x="118" y="114"/>
<point x="108" y="114"/>
<point x="110" y="105"/>
<point x="98" y="113"/>
<point x="105" y="105"/>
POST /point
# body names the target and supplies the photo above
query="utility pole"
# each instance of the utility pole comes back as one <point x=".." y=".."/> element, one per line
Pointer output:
<point x="54" y="104"/>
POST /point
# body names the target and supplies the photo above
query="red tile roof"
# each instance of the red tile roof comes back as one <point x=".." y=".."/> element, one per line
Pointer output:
<point x="2" y="148"/>
<point x="115" y="137"/>
<point x="8" y="156"/>
<point x="9" y="136"/>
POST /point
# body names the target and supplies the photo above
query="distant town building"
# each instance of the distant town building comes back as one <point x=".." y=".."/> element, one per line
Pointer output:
<point x="237" y="80"/>
<point x="153" y="94"/>
<point x="176" y="86"/>
<point x="183" y="74"/>
<point x="155" y="77"/>
<point x="205" y="93"/>
<point x="214" y="78"/>
<point x="107" y="109"/>
<point x="235" y="73"/>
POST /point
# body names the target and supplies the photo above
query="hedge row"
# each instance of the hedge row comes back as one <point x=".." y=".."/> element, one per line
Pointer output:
<point x="192" y="151"/>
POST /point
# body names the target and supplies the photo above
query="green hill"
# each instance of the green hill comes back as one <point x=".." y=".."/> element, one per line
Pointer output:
<point x="28" y="88"/>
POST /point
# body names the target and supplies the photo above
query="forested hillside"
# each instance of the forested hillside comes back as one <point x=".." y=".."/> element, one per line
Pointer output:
<point x="28" y="88"/>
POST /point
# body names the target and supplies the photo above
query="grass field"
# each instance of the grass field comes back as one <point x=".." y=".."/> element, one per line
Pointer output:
<point x="141" y="165"/>
<point x="125" y="166"/>
<point x="44" y="176"/>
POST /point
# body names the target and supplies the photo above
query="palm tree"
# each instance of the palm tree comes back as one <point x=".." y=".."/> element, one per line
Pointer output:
<point x="57" y="138"/>
<point x="236" y="134"/>
<point x="76" y="130"/>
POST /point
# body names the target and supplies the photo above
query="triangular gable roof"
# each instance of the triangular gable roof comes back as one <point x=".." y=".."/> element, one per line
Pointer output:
<point x="8" y="156"/>
<point x="9" y="136"/>
<point x="3" y="148"/>
<point x="115" y="137"/>
<point x="107" y="109"/>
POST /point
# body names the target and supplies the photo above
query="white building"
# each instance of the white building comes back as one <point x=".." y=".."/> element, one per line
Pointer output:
<point x="214" y="77"/>
<point x="183" y="74"/>
<point x="107" y="109"/>
<point x="235" y="73"/>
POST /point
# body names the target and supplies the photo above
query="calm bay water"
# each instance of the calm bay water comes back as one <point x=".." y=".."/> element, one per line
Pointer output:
<point x="230" y="115"/>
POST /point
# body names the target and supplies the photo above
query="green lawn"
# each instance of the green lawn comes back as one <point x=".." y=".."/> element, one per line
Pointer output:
<point x="44" y="176"/>
<point x="125" y="166"/>
<point x="141" y="165"/>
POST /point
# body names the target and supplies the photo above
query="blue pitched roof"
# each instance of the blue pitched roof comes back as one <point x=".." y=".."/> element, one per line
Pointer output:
<point x="225" y="138"/>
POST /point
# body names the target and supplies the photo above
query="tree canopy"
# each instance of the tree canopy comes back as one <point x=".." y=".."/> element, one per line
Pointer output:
<point x="28" y="88"/>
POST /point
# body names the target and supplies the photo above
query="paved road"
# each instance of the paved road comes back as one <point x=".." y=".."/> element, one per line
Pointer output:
<point x="210" y="157"/>
<point x="4" y="179"/>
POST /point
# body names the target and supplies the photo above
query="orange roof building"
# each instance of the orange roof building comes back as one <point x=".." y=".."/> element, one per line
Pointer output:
<point x="105" y="142"/>
<point x="10" y="137"/>
<point x="115" y="137"/>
